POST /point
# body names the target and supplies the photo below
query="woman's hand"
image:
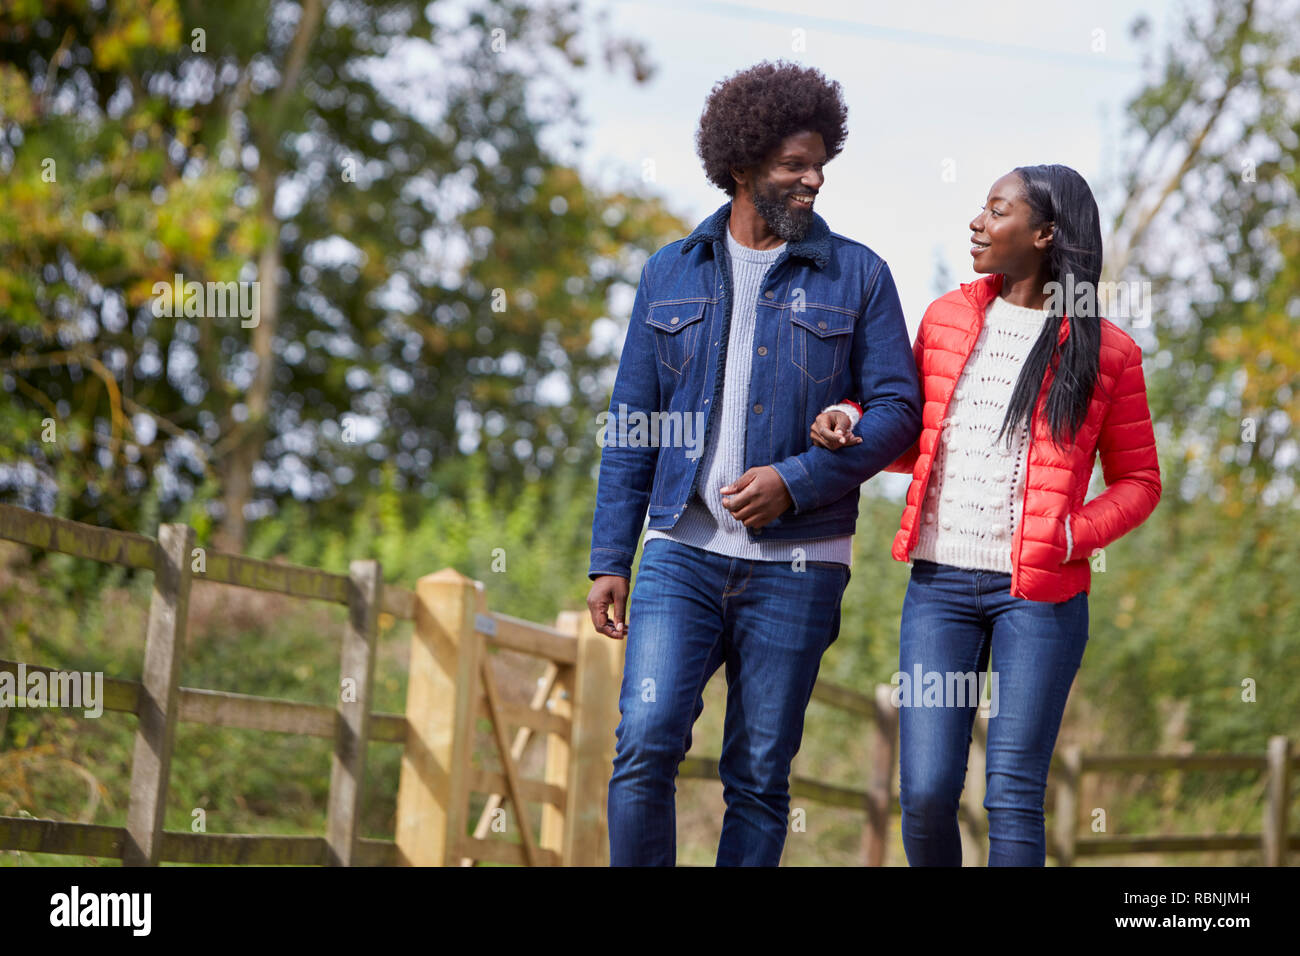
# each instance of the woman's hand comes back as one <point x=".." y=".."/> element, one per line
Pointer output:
<point x="833" y="430"/>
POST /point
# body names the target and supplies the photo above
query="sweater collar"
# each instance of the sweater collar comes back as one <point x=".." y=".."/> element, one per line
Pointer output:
<point x="983" y="291"/>
<point x="815" y="246"/>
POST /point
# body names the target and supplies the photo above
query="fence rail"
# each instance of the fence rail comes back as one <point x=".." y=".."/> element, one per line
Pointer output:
<point x="450" y="687"/>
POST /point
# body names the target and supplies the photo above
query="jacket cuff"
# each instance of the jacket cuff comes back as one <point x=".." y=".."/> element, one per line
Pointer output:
<point x="1082" y="536"/>
<point x="798" y="482"/>
<point x="609" y="561"/>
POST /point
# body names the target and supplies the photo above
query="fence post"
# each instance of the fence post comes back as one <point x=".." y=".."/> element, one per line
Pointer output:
<point x="1278" y="804"/>
<point x="559" y="703"/>
<point x="884" y="750"/>
<point x="1067" y="804"/>
<point x="433" y="790"/>
<point x="352" y="726"/>
<point x="156" y="725"/>
<point x="597" y="677"/>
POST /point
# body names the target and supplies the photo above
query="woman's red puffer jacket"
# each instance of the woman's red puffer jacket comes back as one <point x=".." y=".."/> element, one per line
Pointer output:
<point x="1118" y="426"/>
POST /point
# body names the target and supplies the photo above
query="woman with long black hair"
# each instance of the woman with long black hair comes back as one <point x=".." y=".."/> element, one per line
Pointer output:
<point x="1024" y="385"/>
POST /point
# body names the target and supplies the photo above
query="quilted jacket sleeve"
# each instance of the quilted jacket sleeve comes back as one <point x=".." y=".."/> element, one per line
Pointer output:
<point x="1129" y="464"/>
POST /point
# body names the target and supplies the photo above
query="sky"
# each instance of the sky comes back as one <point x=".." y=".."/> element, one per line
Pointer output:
<point x="943" y="98"/>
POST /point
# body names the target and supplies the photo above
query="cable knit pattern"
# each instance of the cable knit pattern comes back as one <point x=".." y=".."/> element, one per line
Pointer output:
<point x="977" y="486"/>
<point x="705" y="523"/>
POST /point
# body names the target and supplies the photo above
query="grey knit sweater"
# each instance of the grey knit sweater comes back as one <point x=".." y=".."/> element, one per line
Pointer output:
<point x="705" y="523"/>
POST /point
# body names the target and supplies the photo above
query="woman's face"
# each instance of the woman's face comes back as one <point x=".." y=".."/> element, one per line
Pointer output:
<point x="1002" y="239"/>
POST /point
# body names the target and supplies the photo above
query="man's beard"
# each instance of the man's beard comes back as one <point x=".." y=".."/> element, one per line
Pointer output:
<point x="790" y="224"/>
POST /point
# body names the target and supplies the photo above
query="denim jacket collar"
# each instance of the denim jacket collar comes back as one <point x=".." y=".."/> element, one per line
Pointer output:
<point x="816" y="245"/>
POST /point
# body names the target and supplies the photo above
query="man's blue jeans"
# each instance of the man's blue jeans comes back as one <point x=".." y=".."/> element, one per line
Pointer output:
<point x="690" y="611"/>
<point x="952" y="619"/>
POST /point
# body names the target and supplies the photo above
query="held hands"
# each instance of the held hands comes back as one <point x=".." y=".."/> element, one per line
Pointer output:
<point x="757" y="497"/>
<point x="833" y="430"/>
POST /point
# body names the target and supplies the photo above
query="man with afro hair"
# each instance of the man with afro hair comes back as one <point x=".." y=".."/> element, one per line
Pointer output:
<point x="740" y="334"/>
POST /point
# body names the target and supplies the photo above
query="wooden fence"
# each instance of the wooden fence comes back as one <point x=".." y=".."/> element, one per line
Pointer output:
<point x="1065" y="844"/>
<point x="450" y="686"/>
<point x="1273" y="841"/>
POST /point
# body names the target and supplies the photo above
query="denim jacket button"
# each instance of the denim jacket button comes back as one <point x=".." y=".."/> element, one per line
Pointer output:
<point x="758" y="409"/>
<point x="769" y="295"/>
<point x="821" y="325"/>
<point x="762" y="350"/>
<point x="673" y="320"/>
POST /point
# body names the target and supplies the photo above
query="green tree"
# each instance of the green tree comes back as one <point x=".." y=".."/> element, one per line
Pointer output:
<point x="1210" y="219"/>
<point x="376" y="168"/>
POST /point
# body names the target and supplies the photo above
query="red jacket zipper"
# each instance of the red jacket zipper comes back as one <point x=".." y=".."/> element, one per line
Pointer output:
<point x="925" y="485"/>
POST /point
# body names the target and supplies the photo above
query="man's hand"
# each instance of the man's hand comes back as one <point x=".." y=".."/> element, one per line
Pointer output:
<point x="757" y="497"/>
<point x="607" y="590"/>
<point x="832" y="431"/>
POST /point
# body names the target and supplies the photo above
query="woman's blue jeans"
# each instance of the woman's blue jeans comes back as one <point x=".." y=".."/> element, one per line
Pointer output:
<point x="952" y="619"/>
<point x="691" y="611"/>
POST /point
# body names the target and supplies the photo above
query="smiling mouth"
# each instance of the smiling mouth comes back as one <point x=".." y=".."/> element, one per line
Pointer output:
<point x="976" y="247"/>
<point x="803" y="200"/>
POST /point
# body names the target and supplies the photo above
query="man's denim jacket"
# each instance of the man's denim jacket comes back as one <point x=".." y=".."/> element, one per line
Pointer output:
<point x="828" y="325"/>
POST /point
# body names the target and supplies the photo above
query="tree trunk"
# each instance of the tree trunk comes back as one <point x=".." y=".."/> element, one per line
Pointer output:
<point x="236" y="468"/>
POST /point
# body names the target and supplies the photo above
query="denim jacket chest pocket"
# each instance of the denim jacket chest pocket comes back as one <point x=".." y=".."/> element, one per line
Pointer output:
<point x="677" y="329"/>
<point x="821" y="337"/>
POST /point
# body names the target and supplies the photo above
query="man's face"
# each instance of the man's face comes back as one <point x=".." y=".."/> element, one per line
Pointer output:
<point x="785" y="185"/>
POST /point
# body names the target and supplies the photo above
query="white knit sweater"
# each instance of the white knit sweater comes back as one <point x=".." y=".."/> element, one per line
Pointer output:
<point x="977" y="484"/>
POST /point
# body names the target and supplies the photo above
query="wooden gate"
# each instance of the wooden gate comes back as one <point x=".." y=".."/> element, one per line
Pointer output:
<point x="452" y="687"/>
